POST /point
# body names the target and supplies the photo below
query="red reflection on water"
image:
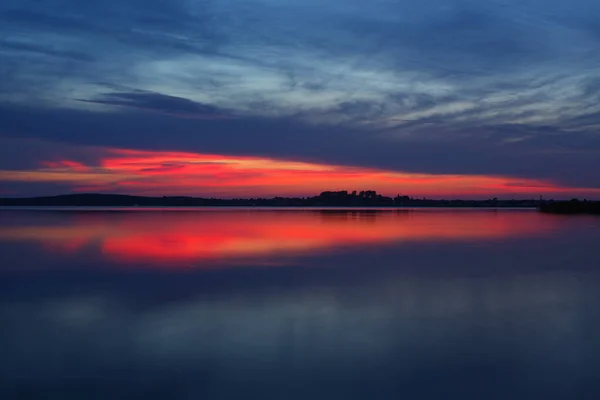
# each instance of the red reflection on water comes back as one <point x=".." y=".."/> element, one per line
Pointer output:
<point x="174" y="238"/>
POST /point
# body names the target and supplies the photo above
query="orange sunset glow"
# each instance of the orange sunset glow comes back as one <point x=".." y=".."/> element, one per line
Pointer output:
<point x="181" y="173"/>
<point x="184" y="238"/>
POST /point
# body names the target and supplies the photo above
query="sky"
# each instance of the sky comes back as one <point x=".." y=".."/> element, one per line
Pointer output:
<point x="245" y="98"/>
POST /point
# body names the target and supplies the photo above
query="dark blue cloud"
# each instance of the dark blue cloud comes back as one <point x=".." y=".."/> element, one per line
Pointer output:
<point x="33" y="48"/>
<point x="156" y="102"/>
<point x="545" y="152"/>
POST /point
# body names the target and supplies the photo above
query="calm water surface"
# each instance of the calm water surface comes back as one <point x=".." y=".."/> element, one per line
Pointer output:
<point x="299" y="304"/>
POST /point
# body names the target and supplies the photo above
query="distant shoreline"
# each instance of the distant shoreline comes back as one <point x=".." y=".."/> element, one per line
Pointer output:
<point x="256" y="208"/>
<point x="571" y="207"/>
<point x="342" y="199"/>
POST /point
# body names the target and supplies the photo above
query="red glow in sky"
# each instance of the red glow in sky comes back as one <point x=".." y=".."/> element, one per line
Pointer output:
<point x="181" y="173"/>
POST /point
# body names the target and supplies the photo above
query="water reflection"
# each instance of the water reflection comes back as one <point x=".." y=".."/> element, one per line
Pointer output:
<point x="173" y="238"/>
<point x="392" y="336"/>
<point x="370" y="305"/>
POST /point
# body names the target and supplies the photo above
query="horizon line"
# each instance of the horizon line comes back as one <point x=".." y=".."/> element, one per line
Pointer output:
<point x="419" y="198"/>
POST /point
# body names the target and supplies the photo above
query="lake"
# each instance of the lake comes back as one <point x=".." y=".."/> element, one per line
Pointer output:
<point x="298" y="304"/>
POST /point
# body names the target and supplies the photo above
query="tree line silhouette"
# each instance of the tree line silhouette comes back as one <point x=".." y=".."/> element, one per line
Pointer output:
<point x="573" y="206"/>
<point x="342" y="198"/>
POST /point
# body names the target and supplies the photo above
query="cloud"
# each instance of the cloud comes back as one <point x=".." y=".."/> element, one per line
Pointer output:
<point x="505" y="87"/>
<point x="157" y="102"/>
<point x="568" y="158"/>
<point x="185" y="173"/>
<point x="33" y="48"/>
<point x="66" y="164"/>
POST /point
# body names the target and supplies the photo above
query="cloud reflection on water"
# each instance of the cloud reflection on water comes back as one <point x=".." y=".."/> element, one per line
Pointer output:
<point x="423" y="304"/>
<point x="204" y="238"/>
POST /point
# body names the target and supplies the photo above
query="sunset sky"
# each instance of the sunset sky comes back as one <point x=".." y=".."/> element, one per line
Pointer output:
<point x="246" y="98"/>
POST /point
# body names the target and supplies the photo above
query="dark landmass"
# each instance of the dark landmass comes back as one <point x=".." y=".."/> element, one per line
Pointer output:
<point x="571" y="207"/>
<point x="367" y="198"/>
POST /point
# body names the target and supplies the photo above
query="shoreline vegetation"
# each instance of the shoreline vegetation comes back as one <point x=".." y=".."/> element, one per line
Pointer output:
<point x="344" y="198"/>
<point x="571" y="207"/>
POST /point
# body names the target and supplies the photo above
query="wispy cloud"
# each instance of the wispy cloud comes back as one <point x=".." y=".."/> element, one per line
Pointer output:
<point x="496" y="87"/>
<point x="157" y="102"/>
<point x="134" y="171"/>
